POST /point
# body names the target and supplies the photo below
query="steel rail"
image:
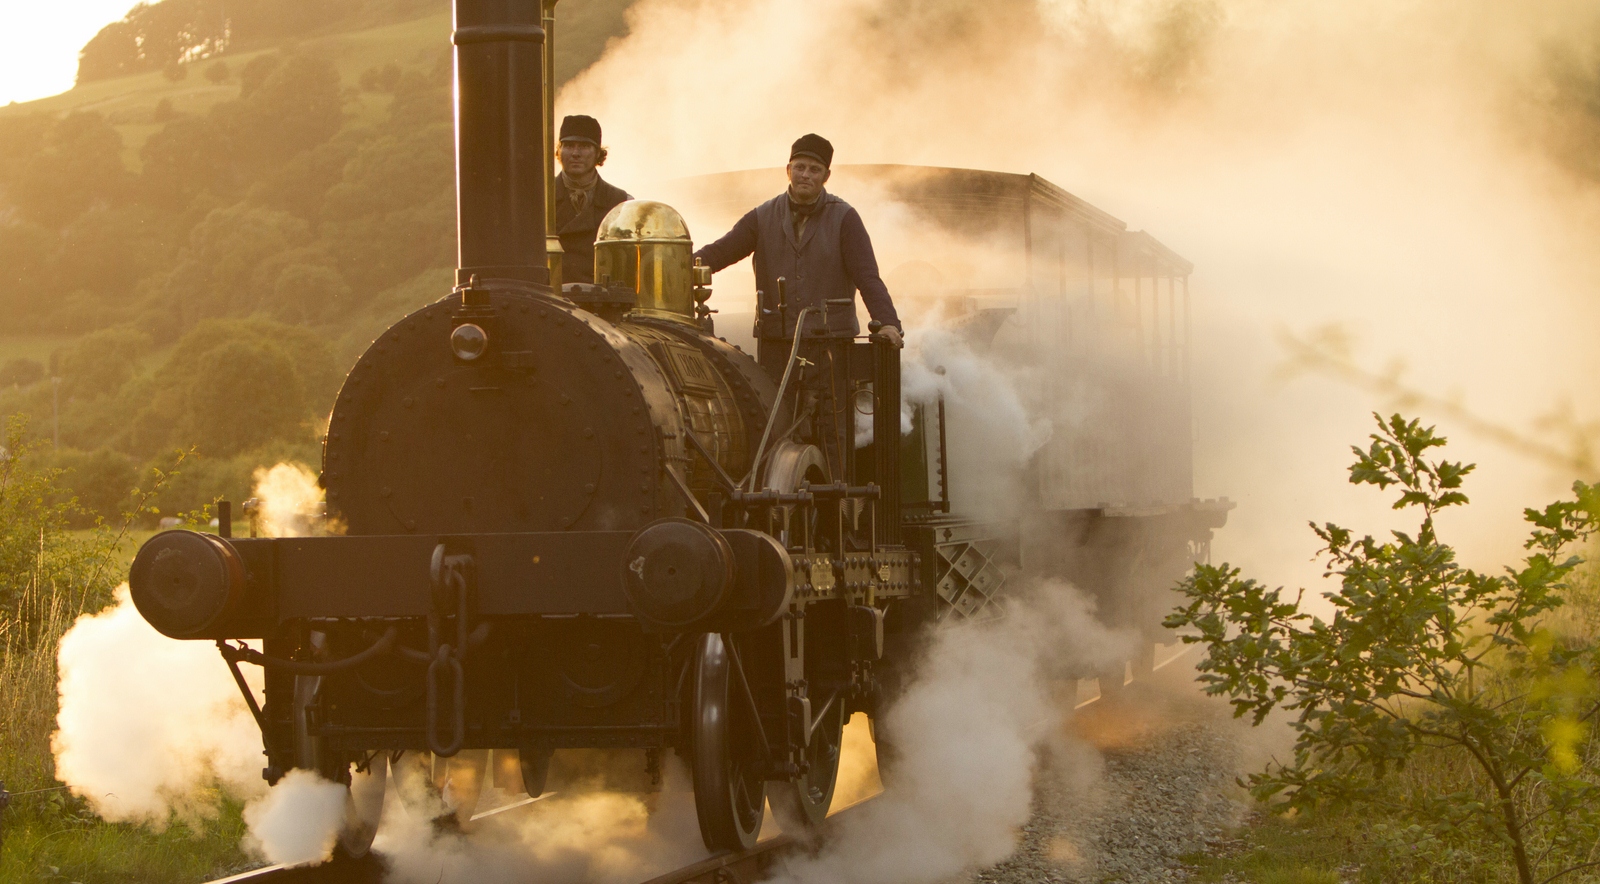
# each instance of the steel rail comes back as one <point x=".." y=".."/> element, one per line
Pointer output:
<point x="742" y="867"/>
<point x="750" y="866"/>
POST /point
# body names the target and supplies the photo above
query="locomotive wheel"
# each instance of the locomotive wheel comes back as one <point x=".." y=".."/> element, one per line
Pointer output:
<point x="802" y="804"/>
<point x="364" y="789"/>
<point x="443" y="791"/>
<point x="729" y="792"/>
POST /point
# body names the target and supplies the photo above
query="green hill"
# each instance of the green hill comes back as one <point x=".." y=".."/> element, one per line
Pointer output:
<point x="199" y="252"/>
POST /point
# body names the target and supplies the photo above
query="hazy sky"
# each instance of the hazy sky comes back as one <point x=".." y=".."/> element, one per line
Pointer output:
<point x="40" y="39"/>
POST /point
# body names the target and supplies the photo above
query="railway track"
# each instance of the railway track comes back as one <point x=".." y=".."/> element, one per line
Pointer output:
<point x="743" y="867"/>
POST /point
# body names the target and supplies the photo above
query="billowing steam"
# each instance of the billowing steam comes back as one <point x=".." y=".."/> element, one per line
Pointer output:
<point x="1383" y="166"/>
<point x="150" y="727"/>
<point x="298" y="821"/>
<point x="570" y="837"/>
<point x="966" y="735"/>
<point x="290" y="501"/>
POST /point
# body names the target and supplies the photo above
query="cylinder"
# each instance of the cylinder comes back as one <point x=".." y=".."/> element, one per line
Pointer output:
<point x="500" y="158"/>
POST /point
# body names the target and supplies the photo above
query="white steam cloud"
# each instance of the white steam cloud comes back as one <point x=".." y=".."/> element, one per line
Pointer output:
<point x="1383" y="166"/>
<point x="967" y="733"/>
<point x="298" y="821"/>
<point x="150" y="726"/>
<point x="571" y="837"/>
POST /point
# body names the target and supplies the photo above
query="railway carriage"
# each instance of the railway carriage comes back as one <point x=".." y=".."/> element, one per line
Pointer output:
<point x="575" y="519"/>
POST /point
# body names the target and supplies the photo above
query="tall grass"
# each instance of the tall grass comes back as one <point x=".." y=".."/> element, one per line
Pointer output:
<point x="49" y="577"/>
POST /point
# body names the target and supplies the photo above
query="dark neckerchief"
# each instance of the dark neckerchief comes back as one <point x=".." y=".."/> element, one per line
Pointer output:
<point x="806" y="210"/>
<point x="581" y="197"/>
<point x="802" y="212"/>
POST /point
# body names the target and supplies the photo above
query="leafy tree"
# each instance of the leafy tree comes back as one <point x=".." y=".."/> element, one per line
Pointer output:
<point x="1423" y="655"/>
<point x="297" y="106"/>
<point x="231" y="385"/>
<point x="256" y="71"/>
<point x="25" y="250"/>
<point x="215" y="271"/>
<point x="393" y="214"/>
<point x="155" y="36"/>
<point x="21" y="372"/>
<point x="95" y="484"/>
<point x="384" y="79"/>
<point x="164" y="112"/>
<point x="21" y="137"/>
<point x="247" y="392"/>
<point x="107" y="250"/>
<point x="99" y="363"/>
<point x="217" y="72"/>
<point x="301" y="185"/>
<point x="189" y="156"/>
<point x="308" y="292"/>
<point x="78" y="165"/>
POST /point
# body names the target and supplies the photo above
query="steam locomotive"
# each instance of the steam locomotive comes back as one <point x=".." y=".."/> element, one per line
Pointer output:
<point x="574" y="519"/>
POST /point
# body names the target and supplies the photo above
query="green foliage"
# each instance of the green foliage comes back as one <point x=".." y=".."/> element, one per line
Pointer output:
<point x="77" y="163"/>
<point x="49" y="576"/>
<point x="95" y="485"/>
<point x="21" y="372"/>
<point x="1422" y="655"/>
<point x="101" y="362"/>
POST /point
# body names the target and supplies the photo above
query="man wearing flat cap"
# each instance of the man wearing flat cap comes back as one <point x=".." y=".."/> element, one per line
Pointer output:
<point x="582" y="197"/>
<point x="816" y="243"/>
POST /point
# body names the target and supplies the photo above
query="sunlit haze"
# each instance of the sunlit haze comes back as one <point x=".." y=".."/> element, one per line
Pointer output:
<point x="39" y="43"/>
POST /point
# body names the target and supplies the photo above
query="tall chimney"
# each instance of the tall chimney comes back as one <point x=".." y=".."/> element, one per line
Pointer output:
<point x="500" y="160"/>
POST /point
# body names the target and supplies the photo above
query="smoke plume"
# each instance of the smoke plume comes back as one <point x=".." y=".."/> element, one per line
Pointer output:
<point x="1399" y="169"/>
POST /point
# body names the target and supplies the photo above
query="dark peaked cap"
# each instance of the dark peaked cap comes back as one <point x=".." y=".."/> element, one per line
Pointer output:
<point x="815" y="147"/>
<point x="581" y="128"/>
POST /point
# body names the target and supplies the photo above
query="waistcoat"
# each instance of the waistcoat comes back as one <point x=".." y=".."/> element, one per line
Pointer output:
<point x="811" y="265"/>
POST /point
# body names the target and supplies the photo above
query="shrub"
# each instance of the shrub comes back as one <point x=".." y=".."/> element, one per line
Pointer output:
<point x="1423" y="656"/>
<point x="21" y="372"/>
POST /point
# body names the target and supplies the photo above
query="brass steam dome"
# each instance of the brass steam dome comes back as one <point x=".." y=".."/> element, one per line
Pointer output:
<point x="645" y="246"/>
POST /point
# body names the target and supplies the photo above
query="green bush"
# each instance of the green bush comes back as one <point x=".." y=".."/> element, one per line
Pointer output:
<point x="1424" y="661"/>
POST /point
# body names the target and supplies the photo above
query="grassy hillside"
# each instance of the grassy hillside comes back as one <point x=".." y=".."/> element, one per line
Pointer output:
<point x="129" y="103"/>
<point x="259" y="215"/>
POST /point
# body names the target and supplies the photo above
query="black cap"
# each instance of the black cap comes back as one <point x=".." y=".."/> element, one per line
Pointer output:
<point x="581" y="128"/>
<point x="815" y="147"/>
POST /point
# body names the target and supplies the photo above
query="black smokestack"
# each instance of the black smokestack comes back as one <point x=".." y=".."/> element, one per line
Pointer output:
<point x="500" y="173"/>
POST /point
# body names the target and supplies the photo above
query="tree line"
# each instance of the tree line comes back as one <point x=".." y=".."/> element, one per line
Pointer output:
<point x="222" y="286"/>
<point x="157" y="36"/>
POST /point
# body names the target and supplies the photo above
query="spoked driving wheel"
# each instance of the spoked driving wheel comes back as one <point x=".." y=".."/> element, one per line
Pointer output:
<point x="729" y="791"/>
<point x="803" y="804"/>
<point x="365" y="781"/>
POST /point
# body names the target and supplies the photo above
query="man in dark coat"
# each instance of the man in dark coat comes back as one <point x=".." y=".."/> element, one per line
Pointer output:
<point x="816" y="243"/>
<point x="582" y="197"/>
